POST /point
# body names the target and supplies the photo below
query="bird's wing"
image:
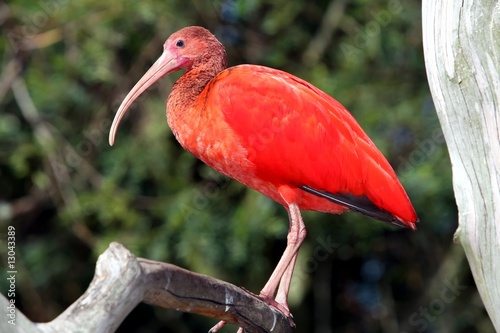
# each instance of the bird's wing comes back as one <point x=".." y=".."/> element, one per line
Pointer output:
<point x="297" y="134"/>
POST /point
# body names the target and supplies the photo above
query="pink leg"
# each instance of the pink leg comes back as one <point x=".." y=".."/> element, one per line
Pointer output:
<point x="220" y="325"/>
<point x="285" y="282"/>
<point x="217" y="327"/>
<point x="283" y="272"/>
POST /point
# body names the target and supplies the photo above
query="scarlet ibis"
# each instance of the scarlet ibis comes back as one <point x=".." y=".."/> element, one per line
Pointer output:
<point x="277" y="134"/>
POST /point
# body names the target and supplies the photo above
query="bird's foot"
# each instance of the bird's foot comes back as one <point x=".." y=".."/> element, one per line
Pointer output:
<point x="269" y="300"/>
<point x="281" y="307"/>
<point x="220" y="325"/>
<point x="217" y="327"/>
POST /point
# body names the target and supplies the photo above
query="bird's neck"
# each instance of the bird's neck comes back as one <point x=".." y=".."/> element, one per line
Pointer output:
<point x="182" y="108"/>
<point x="190" y="85"/>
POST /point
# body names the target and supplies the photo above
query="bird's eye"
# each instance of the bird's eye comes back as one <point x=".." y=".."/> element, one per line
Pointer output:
<point x="180" y="43"/>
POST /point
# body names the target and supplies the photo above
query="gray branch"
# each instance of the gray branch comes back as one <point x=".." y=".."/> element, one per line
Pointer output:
<point x="122" y="281"/>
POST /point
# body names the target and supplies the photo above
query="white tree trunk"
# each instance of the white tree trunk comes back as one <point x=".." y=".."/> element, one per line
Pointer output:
<point x="462" y="56"/>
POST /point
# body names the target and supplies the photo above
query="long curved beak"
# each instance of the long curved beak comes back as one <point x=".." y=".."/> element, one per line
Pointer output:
<point x="167" y="63"/>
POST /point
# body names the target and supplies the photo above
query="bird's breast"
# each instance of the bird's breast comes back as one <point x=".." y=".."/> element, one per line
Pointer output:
<point x="204" y="133"/>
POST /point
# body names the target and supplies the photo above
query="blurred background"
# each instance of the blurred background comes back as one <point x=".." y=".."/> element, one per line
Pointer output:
<point x="67" y="65"/>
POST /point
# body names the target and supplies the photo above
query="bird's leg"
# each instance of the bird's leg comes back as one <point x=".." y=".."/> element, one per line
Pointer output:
<point x="282" y="275"/>
<point x="218" y="326"/>
<point x="283" y="272"/>
<point x="285" y="282"/>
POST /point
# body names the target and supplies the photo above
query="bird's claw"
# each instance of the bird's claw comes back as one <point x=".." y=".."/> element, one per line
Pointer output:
<point x="217" y="327"/>
<point x="221" y="324"/>
<point x="283" y="308"/>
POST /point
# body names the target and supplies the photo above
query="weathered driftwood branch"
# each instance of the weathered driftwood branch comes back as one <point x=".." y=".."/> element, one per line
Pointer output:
<point x="122" y="281"/>
<point x="462" y="56"/>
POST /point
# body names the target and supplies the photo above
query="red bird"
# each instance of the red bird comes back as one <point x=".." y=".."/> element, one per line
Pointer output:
<point x="277" y="134"/>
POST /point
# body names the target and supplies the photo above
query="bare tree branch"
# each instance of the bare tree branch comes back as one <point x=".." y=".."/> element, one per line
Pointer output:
<point x="209" y="297"/>
<point x="8" y="75"/>
<point x="122" y="281"/>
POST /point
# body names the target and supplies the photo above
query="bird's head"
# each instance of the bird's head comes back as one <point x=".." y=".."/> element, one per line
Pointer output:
<point x="185" y="49"/>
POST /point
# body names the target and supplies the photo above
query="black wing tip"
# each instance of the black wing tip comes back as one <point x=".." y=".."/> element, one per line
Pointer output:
<point x="400" y="224"/>
<point x="359" y="204"/>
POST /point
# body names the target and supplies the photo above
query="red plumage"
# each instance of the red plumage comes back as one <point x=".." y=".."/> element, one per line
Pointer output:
<point x="275" y="133"/>
<point x="296" y="135"/>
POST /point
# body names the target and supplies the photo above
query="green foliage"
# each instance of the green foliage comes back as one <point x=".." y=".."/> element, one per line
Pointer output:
<point x="69" y="194"/>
